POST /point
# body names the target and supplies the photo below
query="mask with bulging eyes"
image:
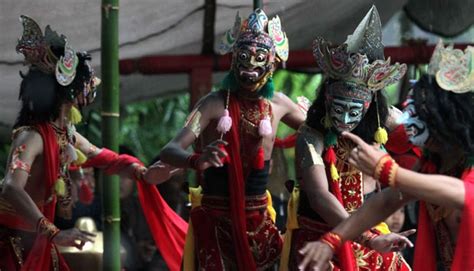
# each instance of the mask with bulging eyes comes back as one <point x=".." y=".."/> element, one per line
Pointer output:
<point x="253" y="59"/>
<point x="346" y="105"/>
<point x="415" y="128"/>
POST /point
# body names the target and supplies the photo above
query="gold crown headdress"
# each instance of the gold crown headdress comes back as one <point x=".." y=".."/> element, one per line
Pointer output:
<point x="51" y="54"/>
<point x="258" y="23"/>
<point x="360" y="59"/>
<point x="453" y="68"/>
<point x="41" y="51"/>
<point x="338" y="63"/>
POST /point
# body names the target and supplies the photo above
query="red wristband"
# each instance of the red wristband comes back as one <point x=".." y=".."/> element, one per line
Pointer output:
<point x="192" y="160"/>
<point x="386" y="171"/>
<point x="333" y="240"/>
<point x="379" y="165"/>
<point x="368" y="236"/>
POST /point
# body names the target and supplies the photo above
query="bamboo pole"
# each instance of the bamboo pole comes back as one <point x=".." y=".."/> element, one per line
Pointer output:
<point x="110" y="128"/>
<point x="257" y="4"/>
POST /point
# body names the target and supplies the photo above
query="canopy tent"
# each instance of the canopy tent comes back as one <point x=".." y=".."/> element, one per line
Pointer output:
<point x="159" y="27"/>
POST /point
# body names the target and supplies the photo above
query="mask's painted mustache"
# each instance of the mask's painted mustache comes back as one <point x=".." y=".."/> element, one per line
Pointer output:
<point x="249" y="74"/>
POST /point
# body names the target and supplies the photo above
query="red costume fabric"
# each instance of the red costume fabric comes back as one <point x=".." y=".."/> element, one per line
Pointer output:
<point x="236" y="232"/>
<point x="366" y="259"/>
<point x="286" y="143"/>
<point x="213" y="225"/>
<point x="42" y="254"/>
<point x="406" y="154"/>
<point x="351" y="195"/>
<point x="425" y="250"/>
<point x="463" y="255"/>
<point x="243" y="254"/>
<point x="167" y="227"/>
<point x="311" y="230"/>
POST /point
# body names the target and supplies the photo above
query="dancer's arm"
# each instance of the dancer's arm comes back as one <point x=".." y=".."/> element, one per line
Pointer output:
<point x="321" y="200"/>
<point x="376" y="209"/>
<point x="160" y="172"/>
<point x="438" y="189"/>
<point x="314" y="182"/>
<point x="127" y="168"/>
<point x="175" y="153"/>
<point x="26" y="148"/>
<point x="86" y="147"/>
<point x="293" y="114"/>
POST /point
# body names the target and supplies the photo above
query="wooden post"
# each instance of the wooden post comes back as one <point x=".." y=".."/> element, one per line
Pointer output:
<point x="200" y="80"/>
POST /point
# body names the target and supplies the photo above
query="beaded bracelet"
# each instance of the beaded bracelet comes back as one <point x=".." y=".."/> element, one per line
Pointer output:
<point x="46" y="228"/>
<point x="333" y="240"/>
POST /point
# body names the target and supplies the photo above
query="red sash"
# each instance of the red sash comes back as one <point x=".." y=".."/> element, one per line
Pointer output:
<point x="425" y="249"/>
<point x="463" y="255"/>
<point x="236" y="182"/>
<point x="168" y="228"/>
<point x="39" y="258"/>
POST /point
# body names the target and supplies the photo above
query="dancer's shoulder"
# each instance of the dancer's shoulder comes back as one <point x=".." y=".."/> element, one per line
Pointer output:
<point x="27" y="138"/>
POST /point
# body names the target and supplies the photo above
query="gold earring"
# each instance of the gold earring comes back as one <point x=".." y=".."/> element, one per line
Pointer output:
<point x="326" y="121"/>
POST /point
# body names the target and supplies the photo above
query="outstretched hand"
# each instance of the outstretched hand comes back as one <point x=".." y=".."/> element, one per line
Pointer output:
<point x="160" y="172"/>
<point x="392" y="241"/>
<point x="316" y="256"/>
<point x="73" y="238"/>
<point x="212" y="155"/>
<point x="364" y="156"/>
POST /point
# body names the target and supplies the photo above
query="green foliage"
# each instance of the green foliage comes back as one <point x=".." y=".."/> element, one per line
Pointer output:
<point x="294" y="84"/>
<point x="145" y="127"/>
<point x="149" y="125"/>
<point x="392" y="92"/>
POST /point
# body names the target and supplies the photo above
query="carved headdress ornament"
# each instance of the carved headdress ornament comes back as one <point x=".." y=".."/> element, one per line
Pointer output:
<point x="268" y="33"/>
<point x="360" y="59"/>
<point x="453" y="68"/>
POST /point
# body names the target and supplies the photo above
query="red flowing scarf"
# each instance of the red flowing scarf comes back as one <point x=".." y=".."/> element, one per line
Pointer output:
<point x="463" y="255"/>
<point x="168" y="228"/>
<point x="425" y="249"/>
<point x="286" y="143"/>
<point x="39" y="258"/>
<point x="236" y="182"/>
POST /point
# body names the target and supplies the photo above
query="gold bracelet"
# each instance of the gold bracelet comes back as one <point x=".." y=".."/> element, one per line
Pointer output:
<point x="46" y="228"/>
<point x="139" y="172"/>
